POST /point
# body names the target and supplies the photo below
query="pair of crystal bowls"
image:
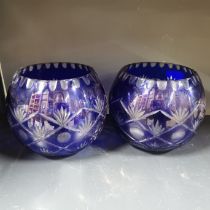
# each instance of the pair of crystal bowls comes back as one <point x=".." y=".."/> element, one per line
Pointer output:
<point x="57" y="109"/>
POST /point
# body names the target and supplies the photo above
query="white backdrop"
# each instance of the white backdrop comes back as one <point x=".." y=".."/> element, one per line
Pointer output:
<point x="106" y="34"/>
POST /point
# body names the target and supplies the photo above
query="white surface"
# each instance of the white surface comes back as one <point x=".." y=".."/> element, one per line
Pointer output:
<point x="113" y="176"/>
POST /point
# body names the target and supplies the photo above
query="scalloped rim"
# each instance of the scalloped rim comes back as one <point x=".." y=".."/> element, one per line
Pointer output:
<point x="56" y="65"/>
<point x="161" y="65"/>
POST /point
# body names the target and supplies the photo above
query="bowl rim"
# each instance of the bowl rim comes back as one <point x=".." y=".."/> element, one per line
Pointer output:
<point x="153" y="64"/>
<point x="21" y="70"/>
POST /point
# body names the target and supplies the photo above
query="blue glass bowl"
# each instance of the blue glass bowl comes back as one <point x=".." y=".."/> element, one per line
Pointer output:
<point x="56" y="109"/>
<point x="158" y="106"/>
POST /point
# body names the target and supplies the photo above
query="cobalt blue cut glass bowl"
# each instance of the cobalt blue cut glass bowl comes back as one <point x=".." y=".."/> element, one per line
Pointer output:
<point x="56" y="109"/>
<point x="158" y="106"/>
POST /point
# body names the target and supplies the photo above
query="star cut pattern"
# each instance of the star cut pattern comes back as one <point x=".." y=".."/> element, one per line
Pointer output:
<point x="40" y="132"/>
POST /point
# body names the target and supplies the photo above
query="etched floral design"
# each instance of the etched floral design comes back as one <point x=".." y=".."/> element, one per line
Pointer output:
<point x="20" y="114"/>
<point x="162" y="85"/>
<point x="41" y="130"/>
<point x="76" y="83"/>
<point x="202" y="114"/>
<point x="196" y="113"/>
<point x="62" y="116"/>
<point x="30" y="123"/>
<point x="180" y="115"/>
<point x="44" y="150"/>
<point x="99" y="105"/>
<point x="134" y="112"/>
<point x="82" y="145"/>
<point x="70" y="124"/>
<point x="155" y="128"/>
<point x="141" y="82"/>
<point x="196" y="123"/>
<point x="86" y="126"/>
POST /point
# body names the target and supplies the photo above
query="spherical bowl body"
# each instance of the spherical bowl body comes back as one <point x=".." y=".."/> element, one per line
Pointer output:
<point x="56" y="109"/>
<point x="157" y="105"/>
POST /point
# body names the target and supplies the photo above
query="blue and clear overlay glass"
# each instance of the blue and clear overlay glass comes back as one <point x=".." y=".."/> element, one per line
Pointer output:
<point x="56" y="109"/>
<point x="158" y="106"/>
